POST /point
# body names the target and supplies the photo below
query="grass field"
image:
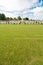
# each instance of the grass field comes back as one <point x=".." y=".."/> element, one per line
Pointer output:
<point x="21" y="44"/>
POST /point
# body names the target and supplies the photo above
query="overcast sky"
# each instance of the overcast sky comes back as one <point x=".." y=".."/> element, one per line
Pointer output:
<point x="24" y="8"/>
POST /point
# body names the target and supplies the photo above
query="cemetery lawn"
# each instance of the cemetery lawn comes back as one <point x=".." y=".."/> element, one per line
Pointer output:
<point x="21" y="44"/>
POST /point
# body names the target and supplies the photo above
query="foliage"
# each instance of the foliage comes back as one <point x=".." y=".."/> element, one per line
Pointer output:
<point x="7" y="18"/>
<point x="15" y="18"/>
<point x="26" y="18"/>
<point x="2" y="17"/>
<point x="11" y="18"/>
<point x="19" y="18"/>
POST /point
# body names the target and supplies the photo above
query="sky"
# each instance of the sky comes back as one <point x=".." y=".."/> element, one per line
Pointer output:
<point x="33" y="9"/>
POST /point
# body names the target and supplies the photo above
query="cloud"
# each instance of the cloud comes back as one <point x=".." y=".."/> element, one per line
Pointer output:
<point x="38" y="12"/>
<point x="17" y="4"/>
<point x="24" y="8"/>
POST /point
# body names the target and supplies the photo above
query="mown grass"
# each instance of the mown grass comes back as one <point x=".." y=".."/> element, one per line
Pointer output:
<point x="21" y="44"/>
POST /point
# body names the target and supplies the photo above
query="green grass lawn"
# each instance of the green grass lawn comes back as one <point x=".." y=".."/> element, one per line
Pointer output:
<point x="21" y="44"/>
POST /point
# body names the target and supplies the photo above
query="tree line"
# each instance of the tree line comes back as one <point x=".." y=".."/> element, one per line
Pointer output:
<point x="3" y="17"/>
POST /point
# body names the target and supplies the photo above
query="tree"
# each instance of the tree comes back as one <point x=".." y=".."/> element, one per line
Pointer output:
<point x="2" y="17"/>
<point x="11" y="18"/>
<point x="19" y="18"/>
<point x="25" y="18"/>
<point x="15" y="18"/>
<point x="7" y="18"/>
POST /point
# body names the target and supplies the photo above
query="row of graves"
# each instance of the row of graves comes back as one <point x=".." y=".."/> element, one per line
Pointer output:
<point x="34" y="22"/>
<point x="10" y="22"/>
<point x="22" y="21"/>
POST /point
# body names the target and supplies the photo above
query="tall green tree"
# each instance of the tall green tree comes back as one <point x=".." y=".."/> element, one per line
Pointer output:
<point x="26" y="18"/>
<point x="15" y="18"/>
<point x="19" y="18"/>
<point x="7" y="18"/>
<point x="2" y="17"/>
